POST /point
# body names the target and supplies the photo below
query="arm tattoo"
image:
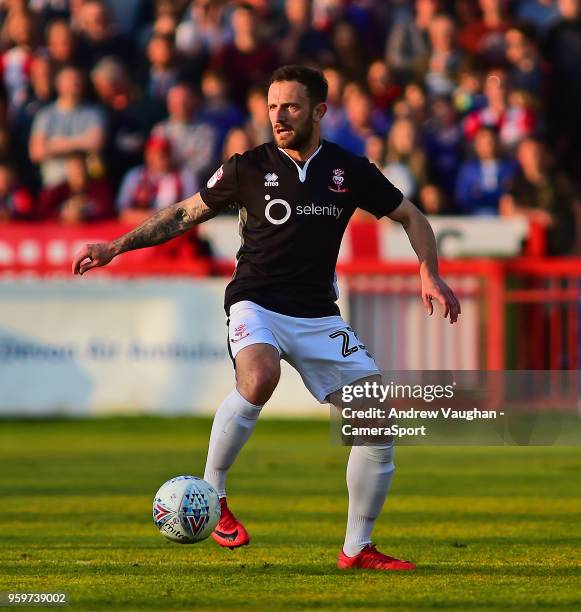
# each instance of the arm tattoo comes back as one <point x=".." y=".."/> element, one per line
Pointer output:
<point x="165" y="225"/>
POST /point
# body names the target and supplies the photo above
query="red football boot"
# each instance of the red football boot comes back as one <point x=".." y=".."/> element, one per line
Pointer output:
<point x="371" y="558"/>
<point x="229" y="532"/>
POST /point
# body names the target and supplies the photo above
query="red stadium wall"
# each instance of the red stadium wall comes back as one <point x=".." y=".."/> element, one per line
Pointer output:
<point x="519" y="312"/>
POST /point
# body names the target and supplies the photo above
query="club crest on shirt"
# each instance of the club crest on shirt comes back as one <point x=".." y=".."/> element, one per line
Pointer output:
<point x="215" y="177"/>
<point x="338" y="180"/>
<point x="240" y="332"/>
<point x="271" y="180"/>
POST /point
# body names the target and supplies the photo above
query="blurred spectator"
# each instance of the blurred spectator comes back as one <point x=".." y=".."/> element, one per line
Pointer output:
<point x="468" y="96"/>
<point x="414" y="97"/>
<point x="543" y="196"/>
<point x="40" y="91"/>
<point x="484" y="38"/>
<point x="359" y="123"/>
<point x="492" y="114"/>
<point x="127" y="119"/>
<point x="383" y="90"/>
<point x="194" y="142"/>
<point x="218" y="109"/>
<point x="335" y="115"/>
<point x="326" y="13"/>
<point x="154" y="185"/>
<point x="443" y="60"/>
<point x="202" y="30"/>
<point x="47" y="10"/>
<point x="40" y="94"/>
<point x="368" y="18"/>
<point x="161" y="75"/>
<point x="128" y="14"/>
<point x="375" y="150"/>
<point x="301" y="42"/>
<point x="483" y="180"/>
<point x="519" y="120"/>
<point x="541" y="14"/>
<point x="6" y="146"/>
<point x="432" y="200"/>
<point x="236" y="142"/>
<point x="522" y="53"/>
<point x="12" y="8"/>
<point x="350" y="56"/>
<point x="563" y="50"/>
<point x="407" y="43"/>
<point x="405" y="161"/>
<point x="65" y="126"/>
<point x="16" y="201"/>
<point x="75" y="8"/>
<point x="466" y="12"/>
<point x="247" y="60"/>
<point x="15" y="63"/>
<point x="78" y="198"/>
<point x="164" y="21"/>
<point x="60" y="44"/>
<point x="269" y="17"/>
<point x="443" y="142"/>
<point x="98" y="36"/>
<point x="257" y="125"/>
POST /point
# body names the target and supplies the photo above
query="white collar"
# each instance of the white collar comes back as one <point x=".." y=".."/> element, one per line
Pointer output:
<point x="302" y="171"/>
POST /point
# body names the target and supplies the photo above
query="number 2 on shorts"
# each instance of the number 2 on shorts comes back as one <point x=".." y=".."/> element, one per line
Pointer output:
<point x="346" y="349"/>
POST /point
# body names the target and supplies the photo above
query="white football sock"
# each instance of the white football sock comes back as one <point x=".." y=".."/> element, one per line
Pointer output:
<point x="369" y="475"/>
<point x="233" y="424"/>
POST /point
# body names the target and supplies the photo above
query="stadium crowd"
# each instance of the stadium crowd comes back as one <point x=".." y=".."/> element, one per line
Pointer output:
<point x="113" y="109"/>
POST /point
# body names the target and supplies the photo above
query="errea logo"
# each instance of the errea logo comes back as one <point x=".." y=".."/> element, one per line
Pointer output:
<point x="271" y="180"/>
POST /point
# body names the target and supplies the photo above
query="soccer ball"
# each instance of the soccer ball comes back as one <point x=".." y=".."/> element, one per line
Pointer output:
<point x="186" y="509"/>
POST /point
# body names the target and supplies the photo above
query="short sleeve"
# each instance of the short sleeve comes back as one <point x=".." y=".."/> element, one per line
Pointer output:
<point x="128" y="188"/>
<point x="376" y="193"/>
<point x="221" y="190"/>
<point x="40" y="123"/>
<point x="97" y="118"/>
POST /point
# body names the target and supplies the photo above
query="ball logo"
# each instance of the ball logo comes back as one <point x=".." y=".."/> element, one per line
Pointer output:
<point x="277" y="202"/>
<point x="160" y="513"/>
<point x="197" y="521"/>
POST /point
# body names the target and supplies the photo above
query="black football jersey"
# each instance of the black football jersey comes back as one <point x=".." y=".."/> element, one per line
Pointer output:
<point x="292" y="219"/>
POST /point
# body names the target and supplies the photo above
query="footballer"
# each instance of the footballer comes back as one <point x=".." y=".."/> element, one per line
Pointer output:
<point x="295" y="196"/>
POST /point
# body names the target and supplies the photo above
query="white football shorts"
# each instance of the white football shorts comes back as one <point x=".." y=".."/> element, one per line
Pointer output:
<point x="324" y="350"/>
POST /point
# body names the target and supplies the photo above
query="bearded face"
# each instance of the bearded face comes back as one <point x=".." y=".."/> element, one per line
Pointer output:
<point x="293" y="134"/>
<point x="291" y="115"/>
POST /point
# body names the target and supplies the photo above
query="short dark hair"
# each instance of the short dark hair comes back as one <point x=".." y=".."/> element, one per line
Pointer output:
<point x="311" y="78"/>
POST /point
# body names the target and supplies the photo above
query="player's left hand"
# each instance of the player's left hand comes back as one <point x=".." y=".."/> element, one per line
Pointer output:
<point x="433" y="287"/>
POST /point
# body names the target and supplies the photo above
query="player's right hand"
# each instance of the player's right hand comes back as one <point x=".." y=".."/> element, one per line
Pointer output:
<point x="92" y="256"/>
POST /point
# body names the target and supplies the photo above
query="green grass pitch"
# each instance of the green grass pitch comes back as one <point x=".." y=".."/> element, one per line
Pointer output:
<point x="490" y="528"/>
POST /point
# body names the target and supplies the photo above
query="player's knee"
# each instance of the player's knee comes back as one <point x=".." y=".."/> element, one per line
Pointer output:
<point x="258" y="384"/>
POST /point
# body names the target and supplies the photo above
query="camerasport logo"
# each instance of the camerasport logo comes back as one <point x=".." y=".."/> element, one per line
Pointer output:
<point x="271" y="180"/>
<point x="338" y="180"/>
<point x="240" y="332"/>
<point x="215" y="177"/>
